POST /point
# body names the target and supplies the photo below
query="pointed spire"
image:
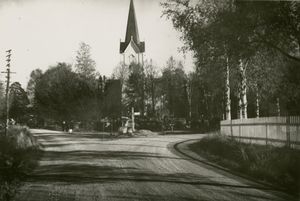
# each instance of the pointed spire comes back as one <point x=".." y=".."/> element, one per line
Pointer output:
<point x="132" y="33"/>
<point x="132" y="28"/>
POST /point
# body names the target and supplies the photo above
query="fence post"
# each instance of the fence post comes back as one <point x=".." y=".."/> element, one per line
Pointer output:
<point x="231" y="133"/>
<point x="266" y="132"/>
<point x="297" y="129"/>
<point x="240" y="132"/>
<point x="288" y="134"/>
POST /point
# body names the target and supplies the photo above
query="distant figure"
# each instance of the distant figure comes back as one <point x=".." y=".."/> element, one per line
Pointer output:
<point x="71" y="127"/>
<point x="64" y="126"/>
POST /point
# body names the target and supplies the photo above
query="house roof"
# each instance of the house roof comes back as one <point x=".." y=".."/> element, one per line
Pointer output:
<point x="132" y="32"/>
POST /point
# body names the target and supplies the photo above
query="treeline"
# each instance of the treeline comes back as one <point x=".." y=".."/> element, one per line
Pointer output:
<point x="80" y="95"/>
<point x="247" y="54"/>
<point x="247" y="65"/>
<point x="167" y="97"/>
<point x="63" y="93"/>
<point x="164" y="96"/>
<point x="77" y="96"/>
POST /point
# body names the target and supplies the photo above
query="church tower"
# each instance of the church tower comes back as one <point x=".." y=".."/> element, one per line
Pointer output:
<point x="132" y="48"/>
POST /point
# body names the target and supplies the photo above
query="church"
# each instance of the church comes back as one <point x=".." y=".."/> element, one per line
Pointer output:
<point x="132" y="49"/>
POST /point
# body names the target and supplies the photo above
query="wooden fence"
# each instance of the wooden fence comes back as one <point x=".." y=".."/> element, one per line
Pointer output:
<point x="278" y="131"/>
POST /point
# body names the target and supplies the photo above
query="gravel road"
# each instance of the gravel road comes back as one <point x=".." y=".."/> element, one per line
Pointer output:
<point x="87" y="167"/>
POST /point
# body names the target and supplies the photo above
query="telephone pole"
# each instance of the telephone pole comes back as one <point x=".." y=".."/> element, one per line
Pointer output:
<point x="7" y="72"/>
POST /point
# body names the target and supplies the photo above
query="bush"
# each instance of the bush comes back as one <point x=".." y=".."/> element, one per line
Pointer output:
<point x="19" y="152"/>
<point x="148" y="124"/>
<point x="276" y="165"/>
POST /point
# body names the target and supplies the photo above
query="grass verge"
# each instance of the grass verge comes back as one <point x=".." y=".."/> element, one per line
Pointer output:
<point x="19" y="153"/>
<point x="279" y="166"/>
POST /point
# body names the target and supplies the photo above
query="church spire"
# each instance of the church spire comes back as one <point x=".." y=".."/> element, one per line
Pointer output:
<point x="132" y="28"/>
<point x="132" y="33"/>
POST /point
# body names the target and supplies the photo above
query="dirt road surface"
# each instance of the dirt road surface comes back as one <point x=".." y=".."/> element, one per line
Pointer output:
<point x="87" y="167"/>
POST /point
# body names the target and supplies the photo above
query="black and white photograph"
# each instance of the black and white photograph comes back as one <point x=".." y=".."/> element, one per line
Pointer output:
<point x="149" y="100"/>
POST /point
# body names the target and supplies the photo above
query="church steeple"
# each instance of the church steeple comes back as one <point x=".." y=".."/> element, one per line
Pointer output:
<point x="132" y="33"/>
<point x="132" y="28"/>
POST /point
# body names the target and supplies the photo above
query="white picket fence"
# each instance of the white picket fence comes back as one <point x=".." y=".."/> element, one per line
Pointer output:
<point x="278" y="131"/>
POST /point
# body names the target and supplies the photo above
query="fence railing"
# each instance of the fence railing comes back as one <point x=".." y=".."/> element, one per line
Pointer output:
<point x="278" y="131"/>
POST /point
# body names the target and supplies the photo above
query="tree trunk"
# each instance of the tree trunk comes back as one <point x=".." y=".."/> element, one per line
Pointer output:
<point x="240" y="107"/>
<point x="257" y="103"/>
<point x="243" y="90"/>
<point x="188" y="88"/>
<point x="227" y="91"/>
<point x="278" y="106"/>
<point x="153" y="97"/>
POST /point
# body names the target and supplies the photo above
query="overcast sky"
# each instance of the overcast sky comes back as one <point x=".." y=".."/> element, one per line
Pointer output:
<point x="44" y="32"/>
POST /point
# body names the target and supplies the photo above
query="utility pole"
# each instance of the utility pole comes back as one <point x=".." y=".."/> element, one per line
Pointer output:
<point x="7" y="72"/>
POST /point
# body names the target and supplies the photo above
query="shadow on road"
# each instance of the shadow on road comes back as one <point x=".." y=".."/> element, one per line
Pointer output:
<point x="93" y="167"/>
<point x="90" y="156"/>
<point x="81" y="167"/>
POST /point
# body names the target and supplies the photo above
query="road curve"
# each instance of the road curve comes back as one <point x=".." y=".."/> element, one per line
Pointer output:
<point x="86" y="167"/>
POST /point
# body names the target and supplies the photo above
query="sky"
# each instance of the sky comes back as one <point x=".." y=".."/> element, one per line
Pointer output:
<point x="44" y="32"/>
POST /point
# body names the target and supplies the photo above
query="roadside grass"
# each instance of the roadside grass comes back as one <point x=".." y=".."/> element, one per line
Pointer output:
<point x="279" y="166"/>
<point x="19" y="153"/>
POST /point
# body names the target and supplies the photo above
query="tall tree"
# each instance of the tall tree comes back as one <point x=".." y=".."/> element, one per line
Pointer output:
<point x="18" y="102"/>
<point x="151" y="82"/>
<point x="134" y="89"/>
<point x="63" y="95"/>
<point x="35" y="75"/>
<point x="85" y="65"/>
<point x="276" y="25"/>
<point x="121" y="72"/>
<point x="235" y="31"/>
<point x="173" y="86"/>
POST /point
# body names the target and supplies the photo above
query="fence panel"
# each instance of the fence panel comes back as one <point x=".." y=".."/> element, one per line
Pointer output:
<point x="278" y="131"/>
